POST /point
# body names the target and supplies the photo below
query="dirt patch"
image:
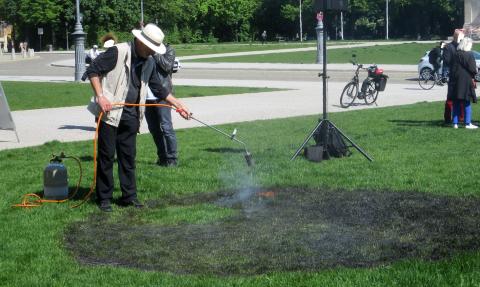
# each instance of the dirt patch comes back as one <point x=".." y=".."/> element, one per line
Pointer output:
<point x="284" y="230"/>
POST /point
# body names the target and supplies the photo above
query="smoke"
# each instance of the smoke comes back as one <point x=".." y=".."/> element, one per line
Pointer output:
<point x="241" y="179"/>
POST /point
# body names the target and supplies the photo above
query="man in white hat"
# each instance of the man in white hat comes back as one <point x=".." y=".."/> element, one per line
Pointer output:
<point x="122" y="75"/>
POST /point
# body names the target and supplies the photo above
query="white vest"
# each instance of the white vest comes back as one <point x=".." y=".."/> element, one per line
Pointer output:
<point x="116" y="82"/>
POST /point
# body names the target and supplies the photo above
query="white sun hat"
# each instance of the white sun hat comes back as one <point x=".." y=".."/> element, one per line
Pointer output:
<point x="152" y="37"/>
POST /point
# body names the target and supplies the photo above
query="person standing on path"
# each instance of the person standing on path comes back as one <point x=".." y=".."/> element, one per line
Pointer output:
<point x="449" y="53"/>
<point x="464" y="69"/>
<point x="121" y="75"/>
<point x="159" y="119"/>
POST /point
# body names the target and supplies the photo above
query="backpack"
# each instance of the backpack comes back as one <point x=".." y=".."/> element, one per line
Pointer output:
<point x="336" y="145"/>
<point x="433" y="55"/>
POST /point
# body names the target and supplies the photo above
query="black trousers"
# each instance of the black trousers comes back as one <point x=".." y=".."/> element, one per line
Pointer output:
<point x="122" y="140"/>
<point x="159" y="120"/>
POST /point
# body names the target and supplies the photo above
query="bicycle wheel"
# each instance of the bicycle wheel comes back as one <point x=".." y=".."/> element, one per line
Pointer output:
<point x="349" y="94"/>
<point x="426" y="79"/>
<point x="371" y="93"/>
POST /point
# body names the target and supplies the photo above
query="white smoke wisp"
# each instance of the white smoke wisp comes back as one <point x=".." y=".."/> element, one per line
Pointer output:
<point x="240" y="178"/>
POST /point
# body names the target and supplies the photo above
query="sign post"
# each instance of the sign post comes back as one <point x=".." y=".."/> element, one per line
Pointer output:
<point x="40" y="33"/>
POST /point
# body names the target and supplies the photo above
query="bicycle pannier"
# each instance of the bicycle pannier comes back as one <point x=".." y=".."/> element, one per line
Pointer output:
<point x="381" y="83"/>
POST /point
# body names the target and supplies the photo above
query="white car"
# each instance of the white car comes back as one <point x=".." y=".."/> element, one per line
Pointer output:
<point x="424" y="64"/>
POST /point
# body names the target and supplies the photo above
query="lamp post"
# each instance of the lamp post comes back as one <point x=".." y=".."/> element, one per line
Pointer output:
<point x="141" y="12"/>
<point x="386" y="22"/>
<point x="341" y="24"/>
<point x="66" y="33"/>
<point x="79" y="36"/>
<point x="300" y="16"/>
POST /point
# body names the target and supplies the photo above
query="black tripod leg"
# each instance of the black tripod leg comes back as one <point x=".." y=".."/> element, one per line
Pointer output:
<point x="306" y="140"/>
<point x="350" y="141"/>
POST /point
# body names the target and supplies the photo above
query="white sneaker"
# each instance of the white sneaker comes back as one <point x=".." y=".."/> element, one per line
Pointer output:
<point x="471" y="126"/>
<point x="455" y="126"/>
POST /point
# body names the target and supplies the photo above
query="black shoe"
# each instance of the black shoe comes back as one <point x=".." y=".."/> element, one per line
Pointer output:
<point x="172" y="163"/>
<point x="134" y="202"/>
<point x="105" y="206"/>
<point x="167" y="163"/>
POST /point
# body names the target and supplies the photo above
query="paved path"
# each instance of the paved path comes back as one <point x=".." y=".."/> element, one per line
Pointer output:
<point x="36" y="127"/>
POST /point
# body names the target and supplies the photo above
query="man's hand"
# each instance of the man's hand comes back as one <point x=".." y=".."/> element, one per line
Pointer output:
<point x="184" y="112"/>
<point x="180" y="108"/>
<point x="104" y="104"/>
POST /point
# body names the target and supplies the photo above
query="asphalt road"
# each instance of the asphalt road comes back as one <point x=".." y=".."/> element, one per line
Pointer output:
<point x="41" y="66"/>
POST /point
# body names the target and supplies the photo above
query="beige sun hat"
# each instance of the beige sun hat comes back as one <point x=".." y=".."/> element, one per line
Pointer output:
<point x="152" y="37"/>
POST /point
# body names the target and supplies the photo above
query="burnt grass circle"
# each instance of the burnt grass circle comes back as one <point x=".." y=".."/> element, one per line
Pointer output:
<point x="283" y="229"/>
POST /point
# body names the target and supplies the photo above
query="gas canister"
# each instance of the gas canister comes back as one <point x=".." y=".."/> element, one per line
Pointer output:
<point x="55" y="180"/>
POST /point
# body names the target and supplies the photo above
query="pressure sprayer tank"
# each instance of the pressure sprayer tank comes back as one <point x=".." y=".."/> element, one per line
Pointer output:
<point x="55" y="180"/>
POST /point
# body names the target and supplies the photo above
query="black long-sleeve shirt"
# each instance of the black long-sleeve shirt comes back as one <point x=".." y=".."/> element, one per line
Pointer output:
<point x="106" y="62"/>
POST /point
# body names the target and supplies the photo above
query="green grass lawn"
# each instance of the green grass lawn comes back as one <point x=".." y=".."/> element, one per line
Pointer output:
<point x="202" y="49"/>
<point x="405" y="54"/>
<point x="412" y="152"/>
<point x="33" y="95"/>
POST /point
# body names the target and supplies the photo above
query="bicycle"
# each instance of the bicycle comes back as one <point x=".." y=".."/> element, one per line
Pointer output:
<point x="371" y="86"/>
<point x="428" y="78"/>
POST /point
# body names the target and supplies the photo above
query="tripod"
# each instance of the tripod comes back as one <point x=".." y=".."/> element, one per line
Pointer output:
<point x="325" y="127"/>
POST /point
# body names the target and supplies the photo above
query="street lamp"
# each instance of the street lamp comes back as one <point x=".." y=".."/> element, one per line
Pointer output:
<point x="141" y="12"/>
<point x="66" y="33"/>
<point x="386" y="20"/>
<point x="79" y="36"/>
<point x="301" y="28"/>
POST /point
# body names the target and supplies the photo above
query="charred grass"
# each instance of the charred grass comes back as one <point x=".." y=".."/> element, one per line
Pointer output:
<point x="275" y="230"/>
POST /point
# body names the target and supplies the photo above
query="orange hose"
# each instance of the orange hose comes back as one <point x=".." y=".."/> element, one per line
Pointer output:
<point x="38" y="202"/>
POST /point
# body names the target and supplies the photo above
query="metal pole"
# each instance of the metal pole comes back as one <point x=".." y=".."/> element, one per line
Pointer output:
<point x="319" y="30"/>
<point x="386" y="25"/>
<point x="66" y="33"/>
<point x="141" y="11"/>
<point x="79" y="36"/>
<point x="341" y="23"/>
<point x="301" y="28"/>
<point x="324" y="60"/>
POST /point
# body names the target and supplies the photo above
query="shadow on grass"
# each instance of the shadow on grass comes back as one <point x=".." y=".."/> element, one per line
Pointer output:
<point x="427" y="123"/>
<point x="74" y="127"/>
<point x="274" y="230"/>
<point x="79" y="195"/>
<point x="225" y="150"/>
<point x="86" y="158"/>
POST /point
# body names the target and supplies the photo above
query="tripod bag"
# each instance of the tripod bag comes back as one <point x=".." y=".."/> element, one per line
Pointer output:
<point x="335" y="146"/>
